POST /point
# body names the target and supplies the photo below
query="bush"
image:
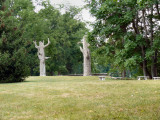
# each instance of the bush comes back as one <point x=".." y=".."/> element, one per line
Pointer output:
<point x="13" y="68"/>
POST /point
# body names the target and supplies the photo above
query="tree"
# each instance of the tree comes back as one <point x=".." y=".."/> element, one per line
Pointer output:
<point x="64" y="32"/>
<point x="41" y="56"/>
<point x="13" y="55"/>
<point x="126" y="33"/>
<point x="86" y="57"/>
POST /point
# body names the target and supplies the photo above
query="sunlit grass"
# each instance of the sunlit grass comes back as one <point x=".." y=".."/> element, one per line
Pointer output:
<point x="80" y="98"/>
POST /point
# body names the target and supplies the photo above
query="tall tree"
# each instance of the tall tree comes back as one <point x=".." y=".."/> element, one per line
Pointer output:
<point x="41" y="56"/>
<point x="86" y="57"/>
<point x="64" y="32"/>
<point x="13" y="56"/>
<point x="126" y="32"/>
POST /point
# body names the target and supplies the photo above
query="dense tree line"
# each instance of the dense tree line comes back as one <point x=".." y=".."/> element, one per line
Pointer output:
<point x="20" y="25"/>
<point x="125" y="38"/>
<point x="126" y="35"/>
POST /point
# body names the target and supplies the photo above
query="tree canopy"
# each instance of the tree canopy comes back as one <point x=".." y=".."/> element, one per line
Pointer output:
<point x="126" y="34"/>
<point x="125" y="38"/>
<point x="13" y="53"/>
<point x="20" y="25"/>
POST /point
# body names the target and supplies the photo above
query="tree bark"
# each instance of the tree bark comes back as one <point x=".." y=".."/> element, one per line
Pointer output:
<point x="157" y="7"/>
<point x="144" y="62"/>
<point x="86" y="58"/>
<point x="154" y="57"/>
<point x="41" y="56"/>
<point x="145" y="70"/>
<point x="124" y="73"/>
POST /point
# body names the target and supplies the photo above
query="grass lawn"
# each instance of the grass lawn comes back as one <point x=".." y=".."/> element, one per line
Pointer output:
<point x="80" y="98"/>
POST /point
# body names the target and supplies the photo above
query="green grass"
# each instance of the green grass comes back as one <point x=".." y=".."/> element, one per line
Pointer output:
<point x="80" y="98"/>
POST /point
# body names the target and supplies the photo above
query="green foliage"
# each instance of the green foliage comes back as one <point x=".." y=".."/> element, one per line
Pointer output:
<point x="119" y="35"/>
<point x="64" y="32"/>
<point x="13" y="54"/>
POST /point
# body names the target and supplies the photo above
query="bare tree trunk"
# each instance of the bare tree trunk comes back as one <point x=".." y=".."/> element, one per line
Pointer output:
<point x="41" y="56"/>
<point x="154" y="57"/>
<point x="86" y="58"/>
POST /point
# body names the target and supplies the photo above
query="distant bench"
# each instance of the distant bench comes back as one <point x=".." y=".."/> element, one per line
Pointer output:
<point x="144" y="77"/>
<point x="156" y="78"/>
<point x="102" y="77"/>
<point x="116" y="77"/>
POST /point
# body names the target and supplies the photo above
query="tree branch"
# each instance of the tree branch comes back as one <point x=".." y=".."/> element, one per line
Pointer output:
<point x="144" y="24"/>
<point x="47" y="58"/>
<point x="47" y="43"/>
<point x="35" y="44"/>
<point x="81" y="49"/>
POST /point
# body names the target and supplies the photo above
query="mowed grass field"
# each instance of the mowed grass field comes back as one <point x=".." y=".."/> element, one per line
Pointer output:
<point x="80" y="98"/>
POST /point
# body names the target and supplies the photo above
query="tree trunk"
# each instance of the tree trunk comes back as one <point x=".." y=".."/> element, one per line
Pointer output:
<point x="129" y="74"/>
<point x="145" y="70"/>
<point x="41" y="56"/>
<point x="144" y="62"/>
<point x="154" y="65"/>
<point x="157" y="7"/>
<point x="42" y="67"/>
<point x="86" y="58"/>
<point x="154" y="57"/>
<point x="124" y="73"/>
